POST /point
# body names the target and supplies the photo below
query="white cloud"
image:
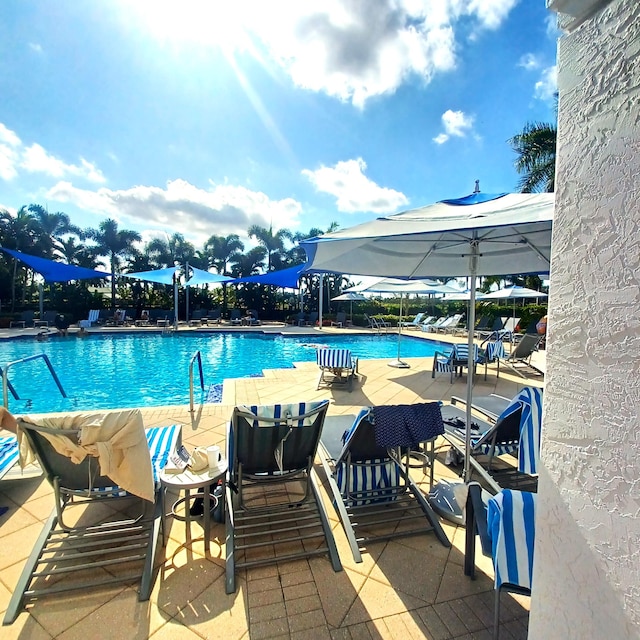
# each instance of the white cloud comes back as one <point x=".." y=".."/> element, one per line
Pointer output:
<point x="14" y="156"/>
<point x="34" y="46"/>
<point x="349" y="51"/>
<point x="198" y="213"/>
<point x="36" y="160"/>
<point x="456" y="123"/>
<point x="353" y="190"/>
<point x="547" y="86"/>
<point x="529" y="61"/>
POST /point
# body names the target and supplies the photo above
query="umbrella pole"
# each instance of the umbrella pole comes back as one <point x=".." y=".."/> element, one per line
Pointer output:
<point x="442" y="497"/>
<point x="397" y="363"/>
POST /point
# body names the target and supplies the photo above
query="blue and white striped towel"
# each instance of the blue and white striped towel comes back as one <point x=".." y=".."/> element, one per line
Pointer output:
<point x="511" y="526"/>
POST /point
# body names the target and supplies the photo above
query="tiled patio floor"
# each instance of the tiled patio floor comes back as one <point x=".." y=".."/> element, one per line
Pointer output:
<point x="407" y="588"/>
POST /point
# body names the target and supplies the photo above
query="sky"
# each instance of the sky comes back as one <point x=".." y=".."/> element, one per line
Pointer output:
<point x="204" y="117"/>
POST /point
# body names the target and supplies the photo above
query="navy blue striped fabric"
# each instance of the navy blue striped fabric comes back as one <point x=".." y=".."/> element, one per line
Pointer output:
<point x="407" y="425"/>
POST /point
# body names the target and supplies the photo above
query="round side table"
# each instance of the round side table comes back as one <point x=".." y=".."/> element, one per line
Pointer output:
<point x="186" y="481"/>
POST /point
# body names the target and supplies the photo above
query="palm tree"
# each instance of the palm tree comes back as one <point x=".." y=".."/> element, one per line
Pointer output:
<point x="20" y="232"/>
<point x="248" y="264"/>
<point x="536" y="161"/>
<point x="273" y="243"/>
<point x="167" y="252"/>
<point x="52" y="228"/>
<point x="114" y="244"/>
<point x="221" y="250"/>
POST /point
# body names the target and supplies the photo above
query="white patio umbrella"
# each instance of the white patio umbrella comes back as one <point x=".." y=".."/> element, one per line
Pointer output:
<point x="350" y="296"/>
<point x="478" y="235"/>
<point x="514" y="292"/>
<point x="396" y="285"/>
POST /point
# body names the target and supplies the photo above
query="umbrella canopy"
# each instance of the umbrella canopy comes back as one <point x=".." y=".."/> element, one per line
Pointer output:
<point x="515" y="292"/>
<point x="349" y="295"/>
<point x="399" y="286"/>
<point x="500" y="236"/>
<point x="463" y="295"/>
<point x="478" y="235"/>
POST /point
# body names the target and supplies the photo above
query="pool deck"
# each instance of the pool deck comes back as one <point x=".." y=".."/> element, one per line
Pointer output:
<point x="406" y="588"/>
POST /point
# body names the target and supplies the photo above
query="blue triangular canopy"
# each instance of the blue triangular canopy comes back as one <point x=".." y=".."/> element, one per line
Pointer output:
<point x="474" y="198"/>
<point x="53" y="271"/>
<point x="287" y="278"/>
<point x="204" y="277"/>
<point x="161" y="276"/>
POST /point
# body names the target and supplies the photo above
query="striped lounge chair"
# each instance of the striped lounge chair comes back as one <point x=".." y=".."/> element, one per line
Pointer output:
<point x="81" y="550"/>
<point x="505" y="524"/>
<point x="336" y="366"/>
<point x="517" y="430"/>
<point x="454" y="361"/>
<point x="367" y="461"/>
<point x="273" y="488"/>
<point x="8" y="454"/>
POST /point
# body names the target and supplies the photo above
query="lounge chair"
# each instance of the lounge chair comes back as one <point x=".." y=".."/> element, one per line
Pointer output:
<point x="454" y="361"/>
<point x="336" y="366"/>
<point x="433" y="326"/>
<point x="236" y="317"/>
<point x="415" y="323"/>
<point x="92" y="319"/>
<point x="198" y="318"/>
<point x="506" y="527"/>
<point x="372" y="491"/>
<point x="252" y="318"/>
<point x="274" y="512"/>
<point x="298" y="319"/>
<point x="26" y="318"/>
<point x="341" y="319"/>
<point x="86" y="549"/>
<point x="493" y="331"/>
<point x="213" y="316"/>
<point x="520" y="355"/>
<point x="516" y="430"/>
<point x="450" y="324"/>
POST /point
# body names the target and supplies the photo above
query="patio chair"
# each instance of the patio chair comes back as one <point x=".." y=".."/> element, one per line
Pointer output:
<point x="76" y="453"/>
<point x="491" y="332"/>
<point x="312" y="319"/>
<point x="274" y="511"/>
<point x="415" y="323"/>
<point x="236" y="317"/>
<point x="341" y="319"/>
<point x="298" y="319"/>
<point x="490" y="352"/>
<point x="506" y="528"/>
<point x="252" y="318"/>
<point x="337" y="366"/>
<point x="367" y="462"/>
<point x="454" y="361"/>
<point x="520" y="355"/>
<point x="213" y="316"/>
<point x="516" y="430"/>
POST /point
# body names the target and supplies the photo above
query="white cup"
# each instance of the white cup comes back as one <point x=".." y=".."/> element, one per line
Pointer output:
<point x="213" y="455"/>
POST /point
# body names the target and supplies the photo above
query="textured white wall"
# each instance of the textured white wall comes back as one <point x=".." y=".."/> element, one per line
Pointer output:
<point x="587" y="565"/>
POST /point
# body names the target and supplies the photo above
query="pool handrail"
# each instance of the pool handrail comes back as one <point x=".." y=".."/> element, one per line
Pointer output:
<point x="6" y="385"/>
<point x="196" y="356"/>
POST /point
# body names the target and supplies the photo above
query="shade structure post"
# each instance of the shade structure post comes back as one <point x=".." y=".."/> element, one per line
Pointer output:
<point x="186" y="311"/>
<point x="41" y="299"/>
<point x="320" y="297"/>
<point x="175" y="301"/>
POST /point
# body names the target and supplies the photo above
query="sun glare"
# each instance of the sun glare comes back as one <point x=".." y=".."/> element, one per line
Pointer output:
<point x="207" y="22"/>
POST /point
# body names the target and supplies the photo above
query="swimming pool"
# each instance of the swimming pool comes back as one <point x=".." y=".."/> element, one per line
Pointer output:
<point x="110" y="371"/>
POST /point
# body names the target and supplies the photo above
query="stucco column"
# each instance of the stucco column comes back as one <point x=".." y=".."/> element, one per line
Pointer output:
<point x="587" y="558"/>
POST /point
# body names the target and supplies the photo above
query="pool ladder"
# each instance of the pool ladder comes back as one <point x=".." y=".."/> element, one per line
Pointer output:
<point x="195" y="358"/>
<point x="7" y="386"/>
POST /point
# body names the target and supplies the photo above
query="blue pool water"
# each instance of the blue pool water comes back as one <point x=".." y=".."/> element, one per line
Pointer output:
<point x="107" y="371"/>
